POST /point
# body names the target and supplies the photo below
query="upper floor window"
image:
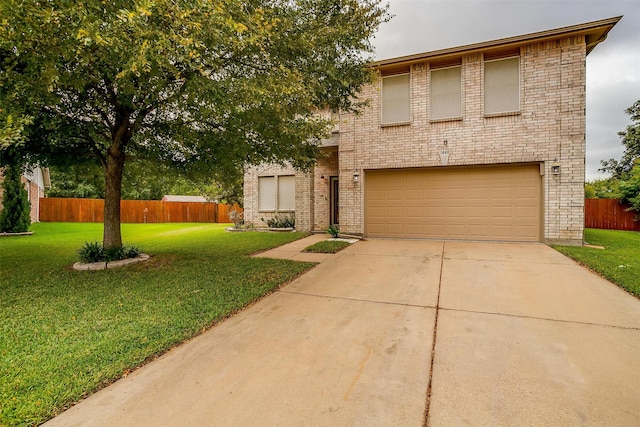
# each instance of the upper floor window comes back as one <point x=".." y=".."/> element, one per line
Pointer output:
<point x="446" y="93"/>
<point x="335" y="118"/>
<point x="502" y="85"/>
<point x="332" y="115"/>
<point x="396" y="106"/>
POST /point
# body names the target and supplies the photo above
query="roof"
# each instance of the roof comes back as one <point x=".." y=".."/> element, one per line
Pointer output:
<point x="595" y="32"/>
<point x="174" y="198"/>
<point x="38" y="176"/>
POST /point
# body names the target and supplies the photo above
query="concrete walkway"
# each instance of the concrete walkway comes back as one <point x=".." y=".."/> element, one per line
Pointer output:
<point x="293" y="250"/>
<point x="523" y="336"/>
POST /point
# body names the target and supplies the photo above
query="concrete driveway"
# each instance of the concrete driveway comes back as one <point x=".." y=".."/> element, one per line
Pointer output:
<point x="523" y="336"/>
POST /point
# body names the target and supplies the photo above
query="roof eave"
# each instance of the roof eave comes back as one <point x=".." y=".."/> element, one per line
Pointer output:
<point x="595" y="32"/>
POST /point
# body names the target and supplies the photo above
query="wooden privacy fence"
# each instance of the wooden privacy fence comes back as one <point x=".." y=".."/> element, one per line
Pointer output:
<point x="137" y="211"/>
<point x="609" y="214"/>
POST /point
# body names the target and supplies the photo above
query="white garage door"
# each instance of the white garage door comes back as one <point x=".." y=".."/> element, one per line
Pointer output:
<point x="478" y="203"/>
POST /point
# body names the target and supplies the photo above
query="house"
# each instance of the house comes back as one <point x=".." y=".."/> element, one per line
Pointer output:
<point x="35" y="182"/>
<point x="482" y="142"/>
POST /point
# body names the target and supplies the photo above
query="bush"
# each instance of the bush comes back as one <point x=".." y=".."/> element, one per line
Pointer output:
<point x="281" y="221"/>
<point x="630" y="190"/>
<point x="16" y="212"/>
<point x="91" y="252"/>
<point x="130" y="252"/>
<point x="94" y="252"/>
<point x="333" y="231"/>
<point x="237" y="216"/>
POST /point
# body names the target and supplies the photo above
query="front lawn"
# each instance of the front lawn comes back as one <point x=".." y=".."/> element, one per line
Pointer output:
<point x="327" y="247"/>
<point x="619" y="262"/>
<point x="66" y="333"/>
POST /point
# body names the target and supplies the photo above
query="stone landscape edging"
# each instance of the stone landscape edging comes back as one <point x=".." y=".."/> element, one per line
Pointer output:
<point x="25" y="233"/>
<point x="109" y="264"/>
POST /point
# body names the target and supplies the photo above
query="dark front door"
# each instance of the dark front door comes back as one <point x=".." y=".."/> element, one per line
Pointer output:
<point x="333" y="201"/>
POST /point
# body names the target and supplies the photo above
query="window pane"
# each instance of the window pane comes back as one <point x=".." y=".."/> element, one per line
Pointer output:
<point x="266" y="193"/>
<point x="502" y="85"/>
<point x="446" y="93"/>
<point x="286" y="193"/>
<point x="395" y="99"/>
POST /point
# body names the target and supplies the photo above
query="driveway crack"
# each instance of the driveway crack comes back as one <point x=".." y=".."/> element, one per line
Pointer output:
<point x="307" y="294"/>
<point x="545" y="319"/>
<point x="433" y="346"/>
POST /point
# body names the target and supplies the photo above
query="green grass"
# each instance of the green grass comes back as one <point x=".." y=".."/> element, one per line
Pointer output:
<point x="619" y="262"/>
<point x="327" y="247"/>
<point x="66" y="333"/>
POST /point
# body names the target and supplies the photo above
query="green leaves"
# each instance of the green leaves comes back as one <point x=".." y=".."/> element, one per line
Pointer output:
<point x="631" y="141"/>
<point x="14" y="217"/>
<point x="630" y="189"/>
<point x="205" y="85"/>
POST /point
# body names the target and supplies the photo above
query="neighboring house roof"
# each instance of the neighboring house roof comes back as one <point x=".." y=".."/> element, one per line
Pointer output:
<point x="39" y="176"/>
<point x="174" y="198"/>
<point x="595" y="32"/>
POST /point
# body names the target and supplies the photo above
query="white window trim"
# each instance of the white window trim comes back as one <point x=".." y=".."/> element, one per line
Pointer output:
<point x="508" y="112"/>
<point x="400" y="123"/>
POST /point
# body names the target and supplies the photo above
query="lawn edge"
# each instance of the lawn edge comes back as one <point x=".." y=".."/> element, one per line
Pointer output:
<point x="152" y="357"/>
<point x="598" y="273"/>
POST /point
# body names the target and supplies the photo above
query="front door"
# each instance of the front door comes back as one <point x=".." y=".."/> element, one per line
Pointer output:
<point x="333" y="201"/>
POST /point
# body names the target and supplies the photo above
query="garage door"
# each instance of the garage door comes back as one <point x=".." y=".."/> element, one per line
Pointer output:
<point x="479" y="203"/>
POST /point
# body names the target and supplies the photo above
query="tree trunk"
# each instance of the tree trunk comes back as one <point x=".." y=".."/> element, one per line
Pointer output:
<point x="114" y="169"/>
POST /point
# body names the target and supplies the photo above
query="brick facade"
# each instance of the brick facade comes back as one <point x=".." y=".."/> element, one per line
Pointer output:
<point x="549" y="128"/>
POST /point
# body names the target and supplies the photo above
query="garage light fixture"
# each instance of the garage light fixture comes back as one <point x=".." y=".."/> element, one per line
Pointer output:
<point x="356" y="176"/>
<point x="555" y="167"/>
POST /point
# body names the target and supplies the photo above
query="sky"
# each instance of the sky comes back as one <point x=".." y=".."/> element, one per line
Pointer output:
<point x="613" y="67"/>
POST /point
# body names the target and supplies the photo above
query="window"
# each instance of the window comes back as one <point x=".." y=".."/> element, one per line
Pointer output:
<point x="335" y="116"/>
<point x="286" y="193"/>
<point x="395" y="99"/>
<point x="283" y="200"/>
<point x="502" y="85"/>
<point x="267" y="193"/>
<point x="446" y="93"/>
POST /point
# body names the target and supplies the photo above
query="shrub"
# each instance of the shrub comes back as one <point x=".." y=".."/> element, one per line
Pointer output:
<point x="16" y="212"/>
<point x="94" y="252"/>
<point x="237" y="216"/>
<point x="630" y="190"/>
<point x="130" y="252"/>
<point x="281" y="221"/>
<point x="333" y="231"/>
<point x="91" y="252"/>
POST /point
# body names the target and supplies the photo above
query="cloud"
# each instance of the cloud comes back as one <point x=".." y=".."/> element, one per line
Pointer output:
<point x="613" y="68"/>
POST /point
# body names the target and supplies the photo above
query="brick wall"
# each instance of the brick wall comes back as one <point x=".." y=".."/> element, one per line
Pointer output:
<point x="35" y="193"/>
<point x="304" y="190"/>
<point x="550" y="125"/>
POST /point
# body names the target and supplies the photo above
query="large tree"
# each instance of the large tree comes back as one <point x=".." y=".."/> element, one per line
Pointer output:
<point x="624" y="182"/>
<point x="621" y="169"/>
<point x="205" y="85"/>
